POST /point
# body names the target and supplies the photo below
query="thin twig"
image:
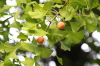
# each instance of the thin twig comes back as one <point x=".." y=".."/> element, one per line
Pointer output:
<point x="84" y="15"/>
<point x="54" y="12"/>
<point x="6" y="19"/>
<point x="48" y="27"/>
<point x="75" y="14"/>
<point x="9" y="18"/>
<point x="50" y="23"/>
<point x="64" y="5"/>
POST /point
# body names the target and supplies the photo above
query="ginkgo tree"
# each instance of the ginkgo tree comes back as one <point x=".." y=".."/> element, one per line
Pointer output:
<point x="67" y="21"/>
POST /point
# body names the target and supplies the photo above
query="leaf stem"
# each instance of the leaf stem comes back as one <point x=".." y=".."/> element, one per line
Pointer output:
<point x="48" y="27"/>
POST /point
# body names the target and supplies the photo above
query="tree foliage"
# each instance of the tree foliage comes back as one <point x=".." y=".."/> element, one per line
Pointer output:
<point x="78" y="16"/>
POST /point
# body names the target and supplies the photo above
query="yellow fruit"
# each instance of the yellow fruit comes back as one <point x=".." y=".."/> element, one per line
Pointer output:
<point x="40" y="40"/>
<point x="61" y="25"/>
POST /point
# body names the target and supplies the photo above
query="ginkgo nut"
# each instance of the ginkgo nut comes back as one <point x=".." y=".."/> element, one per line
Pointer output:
<point x="40" y="40"/>
<point x="61" y="25"/>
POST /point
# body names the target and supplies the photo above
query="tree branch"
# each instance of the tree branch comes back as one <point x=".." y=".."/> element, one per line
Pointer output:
<point x="84" y="15"/>
<point x="64" y="5"/>
<point x="57" y="13"/>
<point x="5" y="20"/>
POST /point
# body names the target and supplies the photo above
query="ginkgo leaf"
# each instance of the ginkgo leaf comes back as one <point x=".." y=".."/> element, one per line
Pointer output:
<point x="28" y="62"/>
<point x="60" y="60"/>
<point x="7" y="61"/>
<point x="15" y="25"/>
<point x="74" y="37"/>
<point x="28" y="26"/>
<point x="47" y="5"/>
<point x="22" y="36"/>
<point x="37" y="14"/>
<point x="67" y="12"/>
<point x="12" y="54"/>
<point x="38" y="32"/>
<point x="27" y="46"/>
<point x="65" y="45"/>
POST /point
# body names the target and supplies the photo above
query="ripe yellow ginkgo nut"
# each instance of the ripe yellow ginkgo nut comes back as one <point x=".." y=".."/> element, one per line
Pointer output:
<point x="61" y="25"/>
<point x="40" y="40"/>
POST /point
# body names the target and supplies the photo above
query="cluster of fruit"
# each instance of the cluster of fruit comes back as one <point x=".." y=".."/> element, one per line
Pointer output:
<point x="61" y="25"/>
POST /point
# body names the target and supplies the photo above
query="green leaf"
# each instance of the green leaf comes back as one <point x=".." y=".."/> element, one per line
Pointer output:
<point x="79" y="3"/>
<point x="91" y="27"/>
<point x="37" y="50"/>
<point x="28" y="62"/>
<point x="38" y="32"/>
<point x="67" y="12"/>
<point x="44" y="55"/>
<point x="10" y="48"/>
<point x="75" y="26"/>
<point x="51" y="39"/>
<point x="2" y="14"/>
<point x="95" y="3"/>
<point x="92" y="14"/>
<point x="37" y="7"/>
<point x="22" y="36"/>
<point x="36" y="58"/>
<point x="28" y="26"/>
<point x="81" y="21"/>
<point x="27" y="46"/>
<point x="98" y="8"/>
<point x="2" y="2"/>
<point x="33" y="21"/>
<point x="75" y="37"/>
<point x="37" y="64"/>
<point x="57" y="6"/>
<point x="1" y="64"/>
<point x="5" y="7"/>
<point x="28" y="8"/>
<point x="28" y="1"/>
<point x="89" y="3"/>
<point x="64" y="12"/>
<point x="98" y="27"/>
<point x="7" y="62"/>
<point x="56" y="1"/>
<point x="21" y="1"/>
<point x="65" y="46"/>
<point x="40" y="51"/>
<point x="43" y="26"/>
<point x="2" y="47"/>
<point x="89" y="20"/>
<point x="59" y="60"/>
<point x="12" y="54"/>
<point x="92" y="4"/>
<point x="37" y="14"/>
<point x="16" y="14"/>
<point x="47" y="5"/>
<point x="58" y="37"/>
<point x="91" y="24"/>
<point x="15" y="25"/>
